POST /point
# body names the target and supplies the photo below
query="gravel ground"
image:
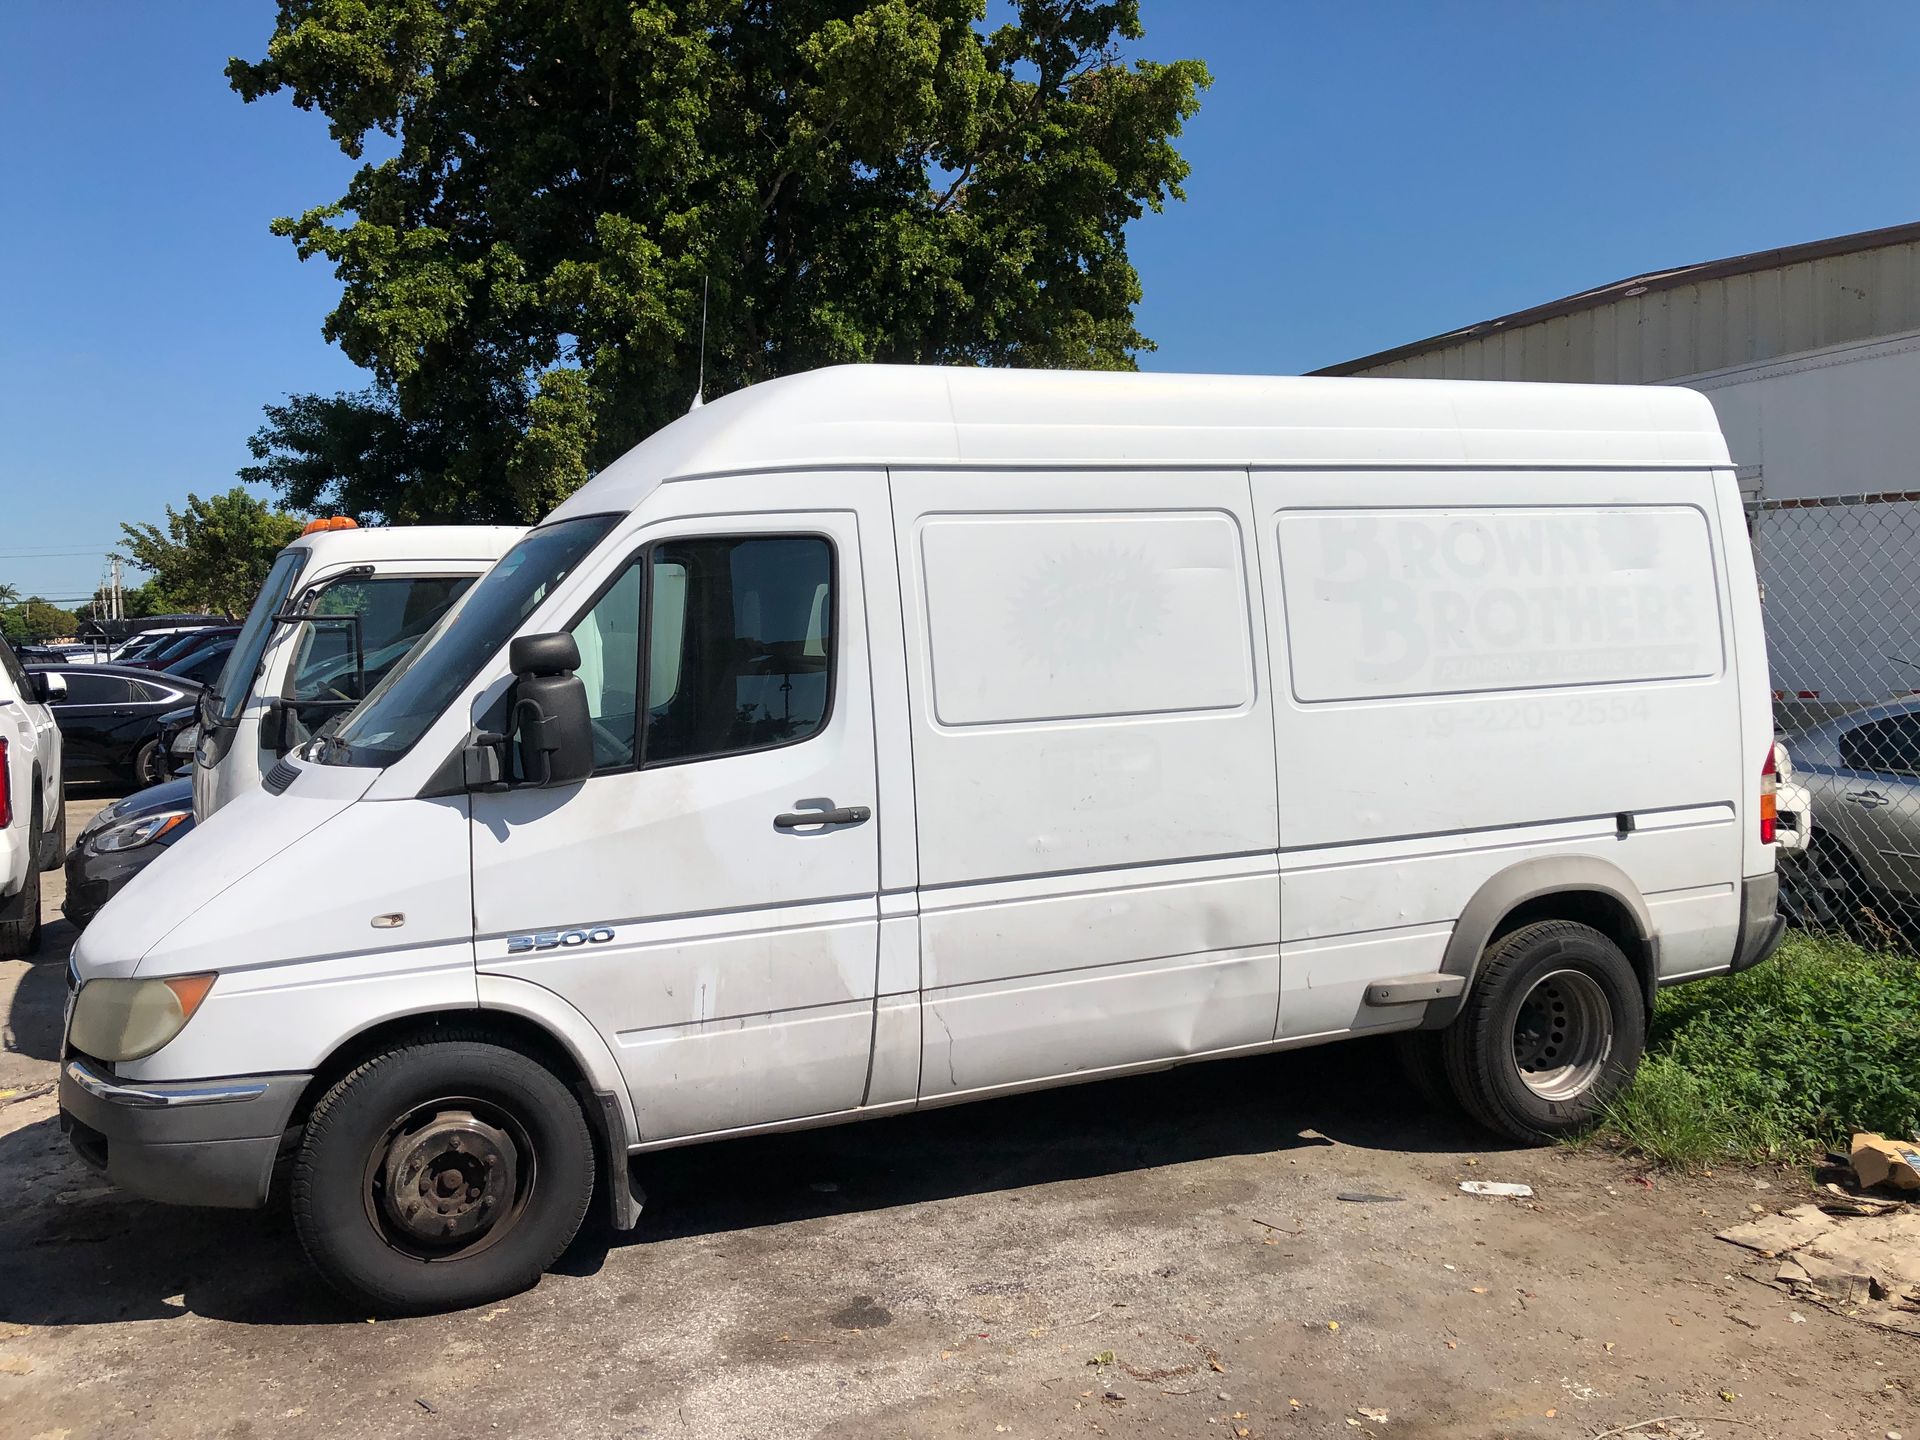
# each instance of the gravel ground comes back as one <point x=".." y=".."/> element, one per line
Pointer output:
<point x="1166" y="1255"/>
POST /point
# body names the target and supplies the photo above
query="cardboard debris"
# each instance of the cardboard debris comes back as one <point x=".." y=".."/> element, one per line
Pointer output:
<point x="1867" y="1264"/>
<point x="1505" y="1189"/>
<point x="1778" y="1234"/>
<point x="1879" y="1161"/>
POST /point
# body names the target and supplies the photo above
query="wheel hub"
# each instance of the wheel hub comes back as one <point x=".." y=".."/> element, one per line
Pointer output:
<point x="449" y="1180"/>
<point x="1562" y="1035"/>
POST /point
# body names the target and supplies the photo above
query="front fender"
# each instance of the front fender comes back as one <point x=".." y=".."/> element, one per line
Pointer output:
<point x="515" y="996"/>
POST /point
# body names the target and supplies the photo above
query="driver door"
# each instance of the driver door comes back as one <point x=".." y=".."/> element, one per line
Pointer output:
<point x="685" y="898"/>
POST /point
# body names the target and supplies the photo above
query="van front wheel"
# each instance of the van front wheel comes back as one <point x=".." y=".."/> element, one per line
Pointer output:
<point x="439" y="1174"/>
<point x="1552" y="1031"/>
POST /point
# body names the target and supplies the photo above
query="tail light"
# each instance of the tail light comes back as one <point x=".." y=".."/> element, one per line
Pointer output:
<point x="1769" y="803"/>
<point x="6" y="787"/>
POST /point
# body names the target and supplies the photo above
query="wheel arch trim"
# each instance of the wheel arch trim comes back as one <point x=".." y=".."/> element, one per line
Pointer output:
<point x="571" y="1030"/>
<point x="1542" y="878"/>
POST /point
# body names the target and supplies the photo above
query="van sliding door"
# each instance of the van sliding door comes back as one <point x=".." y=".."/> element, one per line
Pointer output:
<point x="1093" y="769"/>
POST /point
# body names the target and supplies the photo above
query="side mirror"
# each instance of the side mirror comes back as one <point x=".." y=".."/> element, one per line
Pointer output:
<point x="552" y="654"/>
<point x="547" y="712"/>
<point x="47" y="686"/>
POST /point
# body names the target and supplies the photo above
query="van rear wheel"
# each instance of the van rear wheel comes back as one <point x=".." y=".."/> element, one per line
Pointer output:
<point x="440" y="1174"/>
<point x="1551" y="1032"/>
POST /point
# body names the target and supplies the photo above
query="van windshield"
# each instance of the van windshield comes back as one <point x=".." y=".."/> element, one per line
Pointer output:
<point x="230" y="691"/>
<point x="417" y="690"/>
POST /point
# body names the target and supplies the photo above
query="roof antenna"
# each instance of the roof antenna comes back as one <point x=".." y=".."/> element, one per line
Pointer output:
<point x="700" y="385"/>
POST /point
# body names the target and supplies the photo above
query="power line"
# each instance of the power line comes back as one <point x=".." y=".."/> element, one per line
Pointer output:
<point x="50" y="554"/>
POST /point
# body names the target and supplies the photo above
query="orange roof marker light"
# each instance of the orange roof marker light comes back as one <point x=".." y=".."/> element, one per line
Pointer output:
<point x="331" y="522"/>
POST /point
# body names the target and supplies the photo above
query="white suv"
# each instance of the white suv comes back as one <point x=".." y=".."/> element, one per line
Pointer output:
<point x="33" y="814"/>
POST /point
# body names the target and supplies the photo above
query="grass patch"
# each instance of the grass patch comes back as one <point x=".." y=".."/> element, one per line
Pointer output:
<point x="1789" y="1058"/>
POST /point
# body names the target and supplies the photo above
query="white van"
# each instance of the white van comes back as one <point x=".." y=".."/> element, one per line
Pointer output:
<point x="338" y="609"/>
<point x="880" y="738"/>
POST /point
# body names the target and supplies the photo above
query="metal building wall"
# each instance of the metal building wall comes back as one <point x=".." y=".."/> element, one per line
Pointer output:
<point x="1693" y="328"/>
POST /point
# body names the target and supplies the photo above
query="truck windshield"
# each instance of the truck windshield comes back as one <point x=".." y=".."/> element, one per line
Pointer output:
<point x="415" y="693"/>
<point x="229" y="693"/>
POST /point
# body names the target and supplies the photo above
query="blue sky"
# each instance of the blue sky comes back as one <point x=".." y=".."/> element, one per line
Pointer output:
<point x="1363" y="174"/>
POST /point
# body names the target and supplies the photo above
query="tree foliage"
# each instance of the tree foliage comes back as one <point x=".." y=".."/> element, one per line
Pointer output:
<point x="860" y="180"/>
<point x="214" y="554"/>
<point x="32" y="620"/>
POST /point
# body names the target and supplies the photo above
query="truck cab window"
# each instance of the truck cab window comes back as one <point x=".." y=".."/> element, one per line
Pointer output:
<point x="393" y="613"/>
<point x="740" y="652"/>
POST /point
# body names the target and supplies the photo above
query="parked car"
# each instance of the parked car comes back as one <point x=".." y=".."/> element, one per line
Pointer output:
<point x="122" y="840"/>
<point x="203" y="666"/>
<point x="110" y="716"/>
<point x="1861" y="772"/>
<point x="181" y="646"/>
<point x="33" y="814"/>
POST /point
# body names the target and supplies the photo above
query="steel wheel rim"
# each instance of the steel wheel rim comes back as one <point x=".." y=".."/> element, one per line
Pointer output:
<point x="448" y="1111"/>
<point x="1562" y="1035"/>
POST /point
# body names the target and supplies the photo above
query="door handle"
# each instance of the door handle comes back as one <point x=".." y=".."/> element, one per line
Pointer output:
<point x="839" y="815"/>
<point x="1868" y="798"/>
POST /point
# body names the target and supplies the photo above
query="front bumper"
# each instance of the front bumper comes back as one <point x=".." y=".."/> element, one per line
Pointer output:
<point x="186" y="1142"/>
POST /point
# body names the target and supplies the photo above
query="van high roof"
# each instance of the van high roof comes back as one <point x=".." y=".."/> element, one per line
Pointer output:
<point x="905" y="416"/>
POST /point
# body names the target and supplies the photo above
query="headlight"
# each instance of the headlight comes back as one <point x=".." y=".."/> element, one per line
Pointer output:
<point x="132" y="834"/>
<point x="126" y="1019"/>
<point x="183" y="744"/>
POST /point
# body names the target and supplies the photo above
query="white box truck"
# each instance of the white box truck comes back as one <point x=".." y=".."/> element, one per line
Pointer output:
<point x="339" y="607"/>
<point x="881" y="738"/>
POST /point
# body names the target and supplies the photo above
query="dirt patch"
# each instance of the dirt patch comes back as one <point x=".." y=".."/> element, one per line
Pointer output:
<point x="1138" y="1258"/>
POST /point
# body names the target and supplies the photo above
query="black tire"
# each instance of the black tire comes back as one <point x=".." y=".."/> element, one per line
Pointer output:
<point x="346" y="1200"/>
<point x="1553" y="991"/>
<point x="1423" y="1062"/>
<point x="150" y="765"/>
<point x="20" y="916"/>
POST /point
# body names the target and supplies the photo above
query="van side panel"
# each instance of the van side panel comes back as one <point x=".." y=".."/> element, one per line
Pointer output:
<point x="1094" y="774"/>
<point x="1477" y="667"/>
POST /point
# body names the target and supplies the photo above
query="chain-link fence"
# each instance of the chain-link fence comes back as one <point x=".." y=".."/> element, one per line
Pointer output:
<point x="1837" y="584"/>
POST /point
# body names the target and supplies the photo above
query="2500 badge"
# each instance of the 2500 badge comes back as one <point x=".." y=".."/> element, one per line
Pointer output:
<point x="558" y="939"/>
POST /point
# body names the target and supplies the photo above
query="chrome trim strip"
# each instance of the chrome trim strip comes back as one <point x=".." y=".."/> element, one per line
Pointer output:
<point x="153" y="1097"/>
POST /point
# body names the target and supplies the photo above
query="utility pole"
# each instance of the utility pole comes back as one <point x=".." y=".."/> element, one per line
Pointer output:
<point x="116" y="605"/>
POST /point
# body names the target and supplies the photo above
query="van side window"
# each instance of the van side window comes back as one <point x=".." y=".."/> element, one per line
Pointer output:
<point x="1890" y="746"/>
<point x="740" y="645"/>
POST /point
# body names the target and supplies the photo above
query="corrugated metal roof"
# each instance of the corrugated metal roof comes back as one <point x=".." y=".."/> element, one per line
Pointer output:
<point x="1685" y="321"/>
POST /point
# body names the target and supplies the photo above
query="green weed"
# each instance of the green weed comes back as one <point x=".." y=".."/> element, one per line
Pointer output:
<point x="1791" y="1057"/>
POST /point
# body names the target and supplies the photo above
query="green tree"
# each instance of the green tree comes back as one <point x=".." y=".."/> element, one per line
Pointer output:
<point x="214" y="554"/>
<point x="33" y="620"/>
<point x="859" y="180"/>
